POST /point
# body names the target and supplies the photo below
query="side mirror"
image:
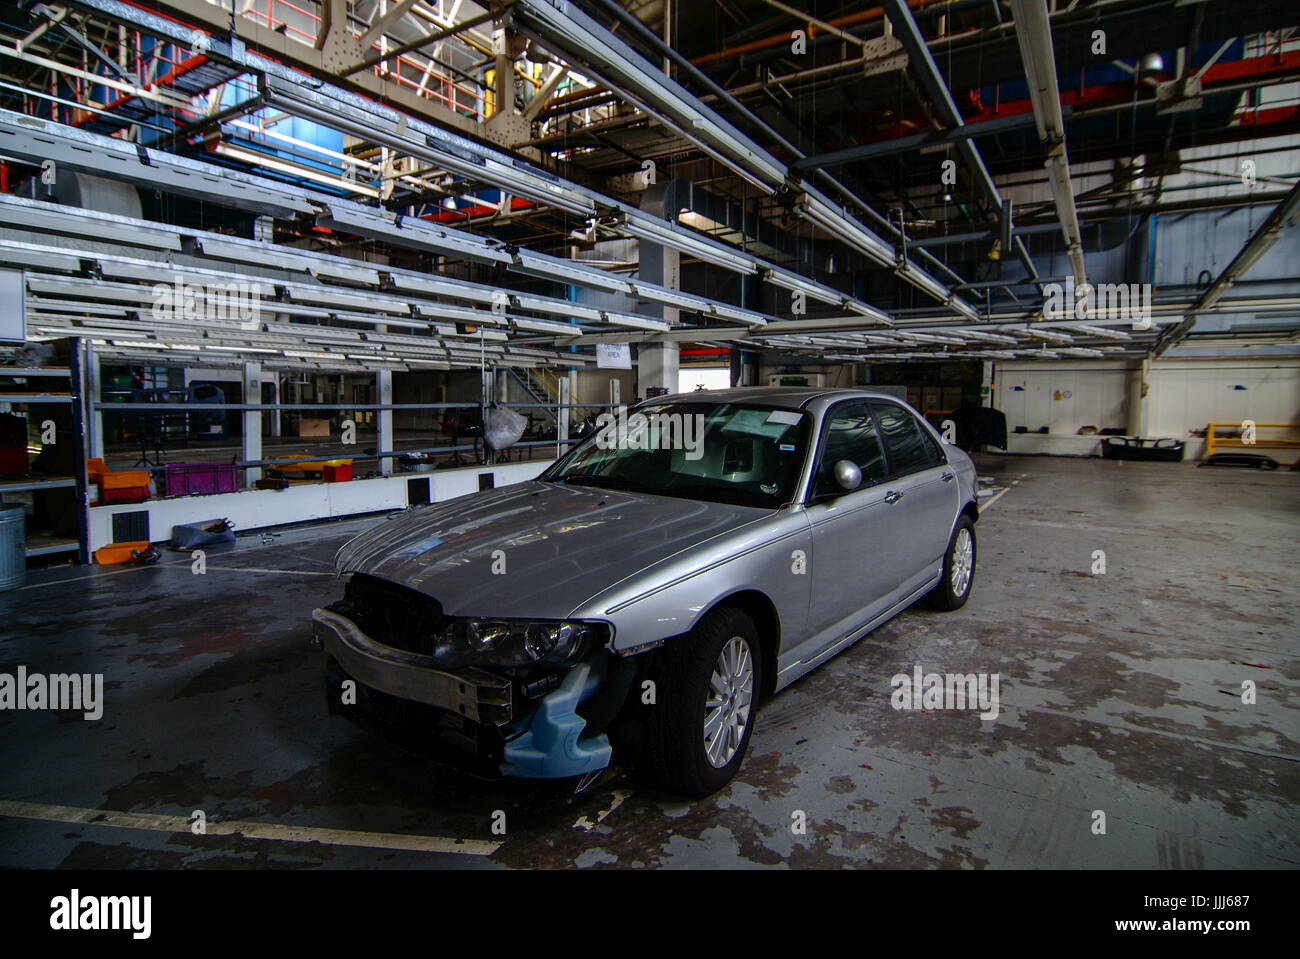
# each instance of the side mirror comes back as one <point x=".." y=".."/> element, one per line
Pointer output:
<point x="847" y="475"/>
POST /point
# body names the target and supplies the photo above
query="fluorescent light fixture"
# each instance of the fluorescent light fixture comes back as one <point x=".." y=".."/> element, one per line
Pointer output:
<point x="728" y="312"/>
<point x="440" y="286"/>
<point x="1051" y="336"/>
<point x="666" y="234"/>
<point x="1102" y="331"/>
<point x="545" y="326"/>
<point x="42" y="257"/>
<point x="563" y="27"/>
<point x="251" y="253"/>
<point x="546" y="304"/>
<point x="634" y="321"/>
<point x="866" y="309"/>
<point x="675" y="298"/>
<point x="801" y="284"/>
<point x="332" y="296"/>
<point x="50" y="218"/>
<point x="989" y="337"/>
<point x="412" y="233"/>
<point x="553" y="268"/>
<point x="257" y="158"/>
<point x="817" y="208"/>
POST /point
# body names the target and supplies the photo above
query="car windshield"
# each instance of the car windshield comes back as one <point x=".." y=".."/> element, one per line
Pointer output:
<point x="723" y="452"/>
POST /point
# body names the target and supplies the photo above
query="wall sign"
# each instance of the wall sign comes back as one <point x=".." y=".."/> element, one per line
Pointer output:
<point x="613" y="356"/>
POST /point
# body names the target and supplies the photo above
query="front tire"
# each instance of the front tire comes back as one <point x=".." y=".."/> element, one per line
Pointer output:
<point x="952" y="591"/>
<point x="700" y="728"/>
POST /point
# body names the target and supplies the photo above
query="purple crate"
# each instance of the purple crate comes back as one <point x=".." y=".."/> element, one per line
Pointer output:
<point x="200" y="479"/>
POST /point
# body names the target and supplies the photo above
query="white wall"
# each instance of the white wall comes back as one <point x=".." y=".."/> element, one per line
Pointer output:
<point x="1182" y="395"/>
<point x="1190" y="394"/>
<point x="1091" y="393"/>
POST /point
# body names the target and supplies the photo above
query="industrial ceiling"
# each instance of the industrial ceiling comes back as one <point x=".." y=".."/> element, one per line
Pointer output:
<point x="414" y="185"/>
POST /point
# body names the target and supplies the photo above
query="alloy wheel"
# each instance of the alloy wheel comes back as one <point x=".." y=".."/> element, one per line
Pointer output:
<point x="728" y="703"/>
<point x="963" y="562"/>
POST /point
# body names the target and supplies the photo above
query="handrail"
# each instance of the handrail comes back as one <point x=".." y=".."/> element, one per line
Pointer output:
<point x="1212" y="442"/>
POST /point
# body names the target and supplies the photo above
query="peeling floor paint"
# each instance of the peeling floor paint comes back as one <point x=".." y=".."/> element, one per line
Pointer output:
<point x="1120" y="694"/>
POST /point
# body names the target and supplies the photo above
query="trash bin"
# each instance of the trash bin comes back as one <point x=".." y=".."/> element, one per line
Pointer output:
<point x="13" y="546"/>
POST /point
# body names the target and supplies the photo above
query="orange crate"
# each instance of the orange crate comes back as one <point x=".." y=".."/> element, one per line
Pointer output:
<point x="115" y="554"/>
<point x="122" y="479"/>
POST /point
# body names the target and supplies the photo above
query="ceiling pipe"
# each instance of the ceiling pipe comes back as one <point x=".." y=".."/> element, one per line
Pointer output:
<point x="584" y="41"/>
<point x="695" y="73"/>
<point x="1035" y="36"/>
<point x="932" y="82"/>
<point x="1286" y="214"/>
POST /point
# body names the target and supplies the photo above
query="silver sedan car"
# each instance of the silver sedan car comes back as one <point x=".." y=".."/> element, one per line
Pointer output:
<point x="641" y="598"/>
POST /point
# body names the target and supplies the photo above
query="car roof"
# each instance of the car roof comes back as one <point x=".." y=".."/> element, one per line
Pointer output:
<point x="782" y="397"/>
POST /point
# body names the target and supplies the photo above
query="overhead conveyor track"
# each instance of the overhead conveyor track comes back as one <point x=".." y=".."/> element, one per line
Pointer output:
<point x="582" y="40"/>
<point x="339" y="108"/>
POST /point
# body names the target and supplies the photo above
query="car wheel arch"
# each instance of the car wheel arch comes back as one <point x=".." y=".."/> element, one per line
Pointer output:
<point x="762" y="611"/>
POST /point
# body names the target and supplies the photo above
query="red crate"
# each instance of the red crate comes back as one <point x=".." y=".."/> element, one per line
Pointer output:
<point x="338" y="474"/>
<point x="124" y="494"/>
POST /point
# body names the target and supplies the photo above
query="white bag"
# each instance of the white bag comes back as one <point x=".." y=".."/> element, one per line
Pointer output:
<point x="503" y="428"/>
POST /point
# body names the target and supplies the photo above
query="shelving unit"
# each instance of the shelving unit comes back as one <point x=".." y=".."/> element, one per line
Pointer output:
<point x="33" y="397"/>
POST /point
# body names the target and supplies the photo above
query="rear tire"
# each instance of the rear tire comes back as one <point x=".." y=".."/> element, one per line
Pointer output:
<point x="707" y="700"/>
<point x="952" y="591"/>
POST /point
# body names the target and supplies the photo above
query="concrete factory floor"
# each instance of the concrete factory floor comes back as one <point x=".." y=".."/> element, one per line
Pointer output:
<point x="1120" y="693"/>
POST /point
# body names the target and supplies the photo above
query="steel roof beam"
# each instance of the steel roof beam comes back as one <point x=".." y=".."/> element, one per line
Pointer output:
<point x="1285" y="215"/>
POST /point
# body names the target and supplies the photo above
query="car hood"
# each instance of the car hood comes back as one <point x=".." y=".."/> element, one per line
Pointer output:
<point x="559" y="545"/>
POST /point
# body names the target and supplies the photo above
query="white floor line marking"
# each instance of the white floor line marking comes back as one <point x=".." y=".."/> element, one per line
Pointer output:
<point x="175" y="566"/>
<point x="249" y="830"/>
<point x="996" y="496"/>
<point x="78" y="579"/>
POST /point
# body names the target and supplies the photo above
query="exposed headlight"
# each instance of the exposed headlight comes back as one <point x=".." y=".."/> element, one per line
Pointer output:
<point x="512" y="642"/>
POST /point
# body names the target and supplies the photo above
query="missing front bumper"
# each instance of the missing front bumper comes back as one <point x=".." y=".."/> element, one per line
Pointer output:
<point x="544" y="743"/>
<point x="475" y="694"/>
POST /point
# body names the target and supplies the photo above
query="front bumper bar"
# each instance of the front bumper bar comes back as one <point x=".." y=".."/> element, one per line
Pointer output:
<point x="473" y="693"/>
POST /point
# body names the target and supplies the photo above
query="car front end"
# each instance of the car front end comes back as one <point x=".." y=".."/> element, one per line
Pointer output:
<point x="515" y="697"/>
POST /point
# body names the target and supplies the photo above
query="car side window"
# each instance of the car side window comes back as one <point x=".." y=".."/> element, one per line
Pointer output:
<point x="910" y="447"/>
<point x="851" y="435"/>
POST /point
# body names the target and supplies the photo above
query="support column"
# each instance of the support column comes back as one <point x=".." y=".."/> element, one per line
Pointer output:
<point x="1137" y="399"/>
<point x="94" y="417"/>
<point x="251" y="444"/>
<point x="562" y="420"/>
<point x="384" y="422"/>
<point x="276" y="418"/>
<point x="657" y="365"/>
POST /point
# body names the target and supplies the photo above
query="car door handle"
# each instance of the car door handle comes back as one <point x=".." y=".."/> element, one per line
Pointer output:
<point x="947" y="477"/>
<point x="893" y="496"/>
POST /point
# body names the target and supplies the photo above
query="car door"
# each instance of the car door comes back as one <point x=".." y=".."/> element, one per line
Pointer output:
<point x="854" y="534"/>
<point x="922" y="493"/>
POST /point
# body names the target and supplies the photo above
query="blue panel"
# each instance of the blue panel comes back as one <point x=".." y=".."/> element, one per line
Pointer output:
<point x="549" y="746"/>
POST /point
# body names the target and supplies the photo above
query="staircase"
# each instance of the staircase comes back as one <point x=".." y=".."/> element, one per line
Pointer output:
<point x="542" y="386"/>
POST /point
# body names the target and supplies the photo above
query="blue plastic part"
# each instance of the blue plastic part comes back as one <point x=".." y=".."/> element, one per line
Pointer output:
<point x="549" y="748"/>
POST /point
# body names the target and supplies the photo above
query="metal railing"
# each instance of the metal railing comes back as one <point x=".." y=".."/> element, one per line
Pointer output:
<point x="1215" y="443"/>
<point x="482" y="455"/>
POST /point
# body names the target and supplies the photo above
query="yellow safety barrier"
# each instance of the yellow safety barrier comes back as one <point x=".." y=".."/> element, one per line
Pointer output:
<point x="1217" y="444"/>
